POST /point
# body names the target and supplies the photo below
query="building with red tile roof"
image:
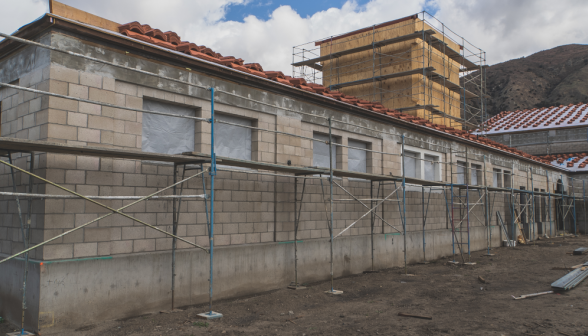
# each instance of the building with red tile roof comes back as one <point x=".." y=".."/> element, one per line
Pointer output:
<point x="541" y="131"/>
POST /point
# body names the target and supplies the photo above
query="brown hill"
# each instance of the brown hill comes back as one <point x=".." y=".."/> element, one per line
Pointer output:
<point x="553" y="77"/>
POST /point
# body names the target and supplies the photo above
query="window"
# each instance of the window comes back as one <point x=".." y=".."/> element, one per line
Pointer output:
<point x="164" y="134"/>
<point x="497" y="178"/>
<point x="411" y="164"/>
<point x="476" y="174"/>
<point x="320" y="151"/>
<point x="461" y="170"/>
<point x="506" y="176"/>
<point x="357" y="158"/>
<point x="431" y="167"/>
<point x="231" y="140"/>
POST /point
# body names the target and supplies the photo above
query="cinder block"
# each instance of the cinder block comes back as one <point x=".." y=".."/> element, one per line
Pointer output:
<point x="143" y="245"/>
<point x="77" y="119"/>
<point x="62" y="132"/>
<point x="162" y="244"/>
<point x="89" y="135"/>
<point x="125" y="140"/>
<point x="88" y="163"/>
<point x="120" y="247"/>
<point x="51" y="252"/>
<point x="90" y="108"/>
<point x="109" y="84"/>
<point x="101" y="234"/>
<point x="135" y="180"/>
<point x="64" y="74"/>
<point x="104" y="248"/>
<point x="91" y="80"/>
<point x="133" y="232"/>
<point x="102" y="123"/>
<point x="59" y="221"/>
<point x="78" y="91"/>
<point x="85" y="250"/>
<point x="102" y="96"/>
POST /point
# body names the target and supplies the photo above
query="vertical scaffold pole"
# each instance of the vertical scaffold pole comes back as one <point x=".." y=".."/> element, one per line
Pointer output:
<point x="512" y="206"/>
<point x="424" y="219"/>
<point x="549" y="204"/>
<point x="573" y="194"/>
<point x="212" y="172"/>
<point x="404" y="205"/>
<point x="174" y="241"/>
<point x="584" y="198"/>
<point x="452" y="207"/>
<point x="486" y="210"/>
<point x="24" y="238"/>
<point x="532" y="214"/>
<point x="332" y="291"/>
<point x="562" y="210"/>
<point x="373" y="218"/>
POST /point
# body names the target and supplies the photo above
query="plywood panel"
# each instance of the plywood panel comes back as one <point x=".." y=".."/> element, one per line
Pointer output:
<point x="72" y="13"/>
<point x="402" y="92"/>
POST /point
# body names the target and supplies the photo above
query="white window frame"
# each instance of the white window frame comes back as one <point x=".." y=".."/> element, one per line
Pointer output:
<point x="420" y="166"/>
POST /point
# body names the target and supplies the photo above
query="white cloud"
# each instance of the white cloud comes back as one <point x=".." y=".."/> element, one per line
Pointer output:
<point x="508" y="29"/>
<point x="505" y="29"/>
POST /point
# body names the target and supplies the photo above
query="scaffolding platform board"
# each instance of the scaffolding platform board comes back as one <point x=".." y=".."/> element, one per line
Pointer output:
<point x="23" y="145"/>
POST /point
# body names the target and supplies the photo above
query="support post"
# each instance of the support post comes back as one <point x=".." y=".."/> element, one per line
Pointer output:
<point x="404" y="205"/>
<point x="584" y="198"/>
<point x="211" y="314"/>
<point x="424" y="219"/>
<point x="332" y="291"/>
<point x="174" y="240"/>
<point x="532" y="221"/>
<point x="549" y="205"/>
<point x="487" y="211"/>
<point x="373" y="217"/>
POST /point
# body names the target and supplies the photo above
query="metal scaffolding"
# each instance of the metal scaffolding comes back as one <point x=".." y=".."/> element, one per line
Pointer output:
<point x="457" y="193"/>
<point x="449" y="86"/>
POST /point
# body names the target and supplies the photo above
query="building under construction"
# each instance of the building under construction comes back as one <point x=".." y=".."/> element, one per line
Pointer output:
<point x="415" y="65"/>
<point x="140" y="172"/>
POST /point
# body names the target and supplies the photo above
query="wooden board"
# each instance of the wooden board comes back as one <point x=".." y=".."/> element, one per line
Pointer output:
<point x="22" y="145"/>
<point x="73" y="13"/>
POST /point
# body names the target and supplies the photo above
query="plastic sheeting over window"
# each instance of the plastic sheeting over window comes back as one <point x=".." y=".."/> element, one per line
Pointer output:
<point x="167" y="135"/>
<point x="410" y="164"/>
<point x="230" y="140"/>
<point x="497" y="178"/>
<point x="461" y="169"/>
<point x="476" y="174"/>
<point x="431" y="167"/>
<point x="320" y="152"/>
<point x="357" y="158"/>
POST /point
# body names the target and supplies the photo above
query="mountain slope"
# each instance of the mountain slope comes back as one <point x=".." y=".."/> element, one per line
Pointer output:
<point x="557" y="76"/>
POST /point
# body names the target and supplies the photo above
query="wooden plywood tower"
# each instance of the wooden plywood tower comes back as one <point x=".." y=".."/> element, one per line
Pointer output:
<point x="405" y="64"/>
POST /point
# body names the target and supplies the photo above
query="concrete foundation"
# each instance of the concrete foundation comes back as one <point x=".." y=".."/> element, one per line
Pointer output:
<point x="73" y="293"/>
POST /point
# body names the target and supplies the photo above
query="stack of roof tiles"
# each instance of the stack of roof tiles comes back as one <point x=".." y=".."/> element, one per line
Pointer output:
<point x="171" y="40"/>
<point x="538" y="119"/>
<point x="576" y="161"/>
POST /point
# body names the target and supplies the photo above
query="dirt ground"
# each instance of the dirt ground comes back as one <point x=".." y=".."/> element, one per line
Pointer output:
<point x="458" y="302"/>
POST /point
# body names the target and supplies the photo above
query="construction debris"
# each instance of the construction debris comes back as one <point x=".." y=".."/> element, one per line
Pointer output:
<point x="571" y="279"/>
<point x="416" y="316"/>
<point x="482" y="280"/>
<point x="531" y="295"/>
<point x="581" y="250"/>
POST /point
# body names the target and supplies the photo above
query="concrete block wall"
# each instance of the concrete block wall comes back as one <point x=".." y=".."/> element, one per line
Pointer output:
<point x="250" y="208"/>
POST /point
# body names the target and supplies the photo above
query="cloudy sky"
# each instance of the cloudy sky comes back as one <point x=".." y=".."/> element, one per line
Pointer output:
<point x="264" y="31"/>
